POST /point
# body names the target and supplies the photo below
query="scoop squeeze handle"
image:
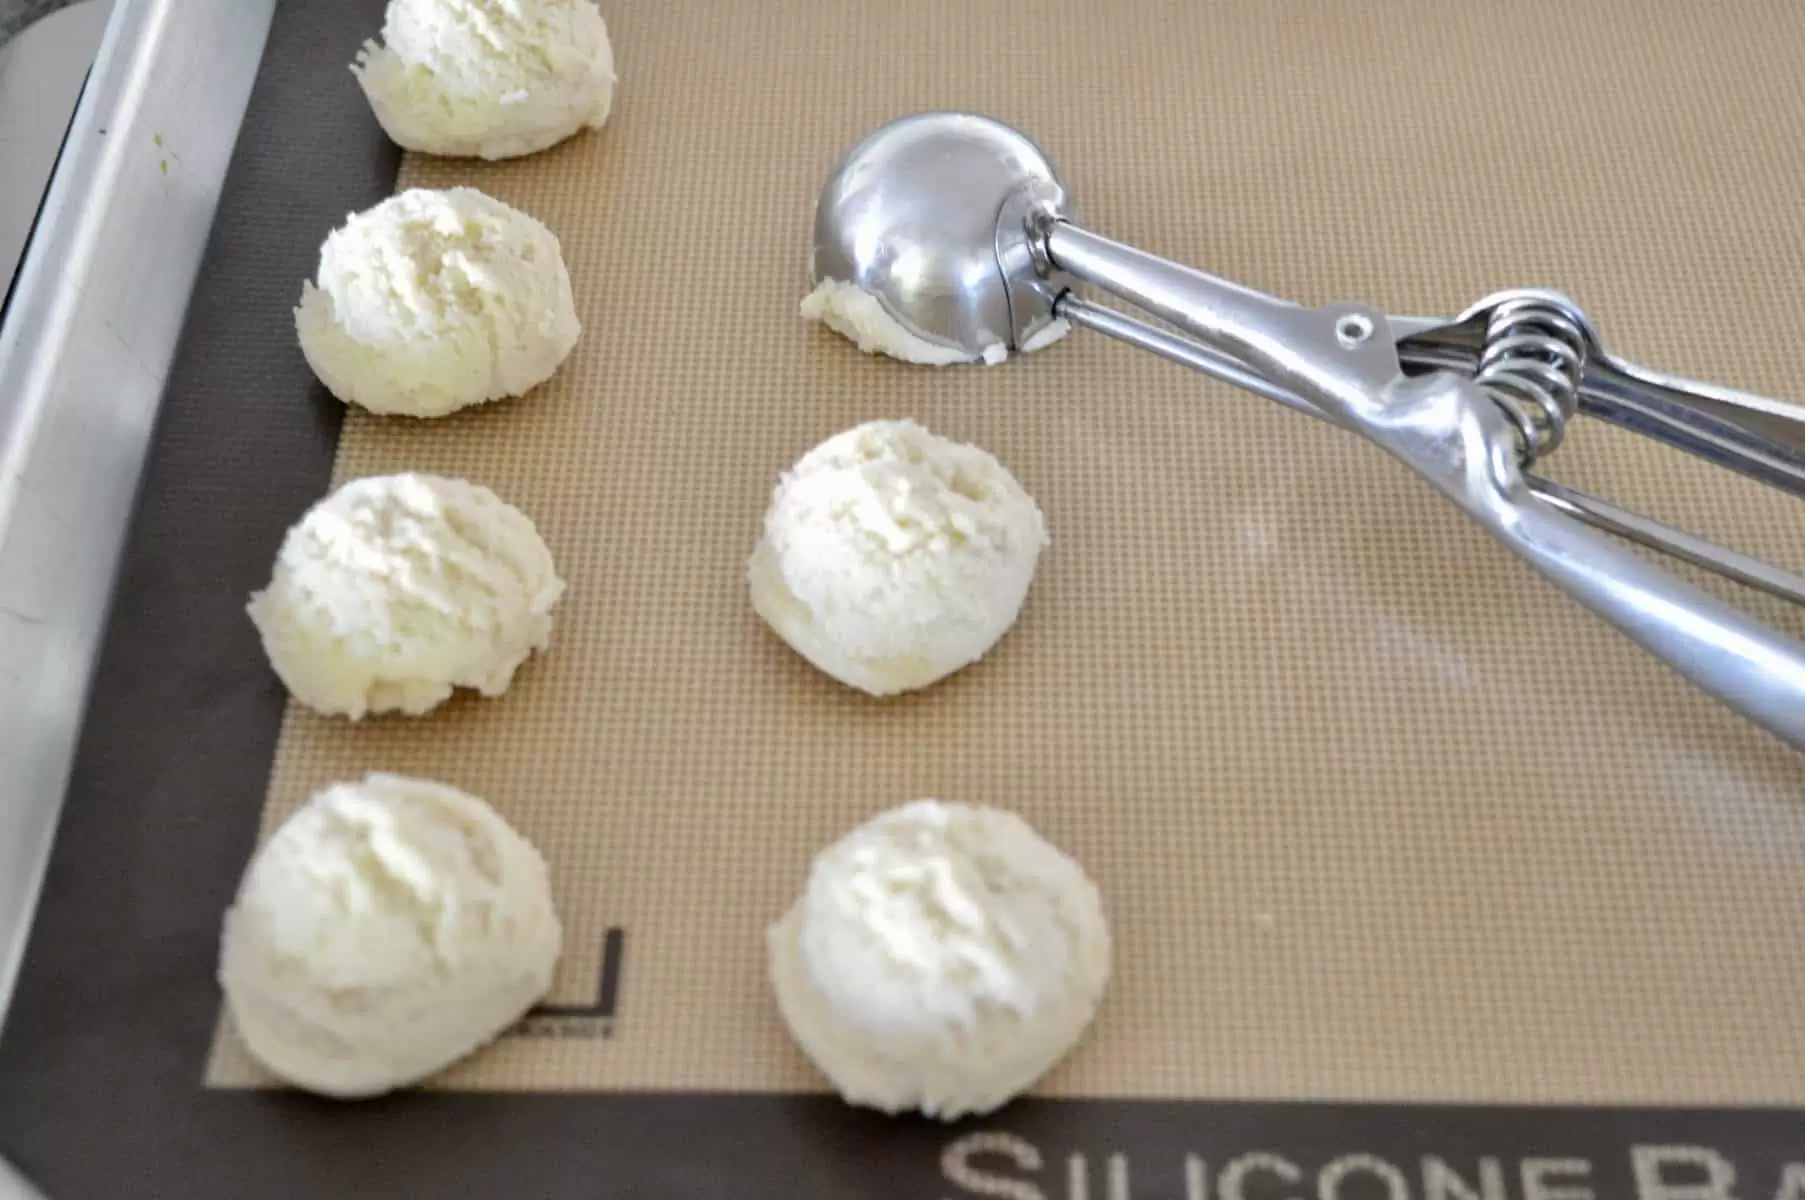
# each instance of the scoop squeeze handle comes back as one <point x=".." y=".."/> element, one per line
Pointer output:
<point x="1458" y="437"/>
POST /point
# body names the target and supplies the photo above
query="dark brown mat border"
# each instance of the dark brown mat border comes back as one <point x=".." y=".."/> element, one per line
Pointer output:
<point x="100" y="1087"/>
<point x="277" y="1146"/>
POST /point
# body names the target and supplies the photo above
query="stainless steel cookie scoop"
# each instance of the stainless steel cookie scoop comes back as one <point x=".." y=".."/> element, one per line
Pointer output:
<point x="964" y="232"/>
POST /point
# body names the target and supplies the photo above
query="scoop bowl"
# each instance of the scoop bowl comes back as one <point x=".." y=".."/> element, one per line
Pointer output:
<point x="930" y="215"/>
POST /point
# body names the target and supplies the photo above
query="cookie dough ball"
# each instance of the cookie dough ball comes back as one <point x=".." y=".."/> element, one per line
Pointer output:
<point x="396" y="589"/>
<point x="488" y="78"/>
<point x="433" y="301"/>
<point x="386" y="930"/>
<point x="892" y="557"/>
<point x="943" y="957"/>
<point x="856" y="315"/>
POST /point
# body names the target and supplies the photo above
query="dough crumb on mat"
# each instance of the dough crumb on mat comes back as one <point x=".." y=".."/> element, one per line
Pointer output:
<point x="892" y="557"/>
<point x="433" y="301"/>
<point x="396" y="589"/>
<point x="856" y="315"/>
<point x="387" y="929"/>
<point x="942" y="957"/>
<point x="488" y="78"/>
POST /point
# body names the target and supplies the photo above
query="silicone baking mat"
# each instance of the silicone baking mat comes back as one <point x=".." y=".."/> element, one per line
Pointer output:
<point x="1376" y="814"/>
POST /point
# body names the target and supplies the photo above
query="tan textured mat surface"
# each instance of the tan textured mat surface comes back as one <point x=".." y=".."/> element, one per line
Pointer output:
<point x="1375" y="812"/>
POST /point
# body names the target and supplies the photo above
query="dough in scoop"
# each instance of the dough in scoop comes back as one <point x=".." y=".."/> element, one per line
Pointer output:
<point x="892" y="557"/>
<point x="488" y="78"/>
<point x="396" y="589"/>
<point x="386" y="930"/>
<point x="942" y="957"/>
<point x="856" y="315"/>
<point x="433" y="301"/>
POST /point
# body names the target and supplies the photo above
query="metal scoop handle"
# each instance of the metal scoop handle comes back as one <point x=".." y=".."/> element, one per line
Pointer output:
<point x="1343" y="362"/>
<point x="1599" y="514"/>
<point x="1754" y="436"/>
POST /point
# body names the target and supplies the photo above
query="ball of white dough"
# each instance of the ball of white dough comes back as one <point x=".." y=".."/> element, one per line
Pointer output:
<point x="856" y="315"/>
<point x="488" y="78"/>
<point x="433" y="301"/>
<point x="892" y="557"/>
<point x="386" y="930"/>
<point x="396" y="589"/>
<point x="942" y="957"/>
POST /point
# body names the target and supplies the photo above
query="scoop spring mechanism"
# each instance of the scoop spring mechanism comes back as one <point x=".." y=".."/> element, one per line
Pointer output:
<point x="1531" y="364"/>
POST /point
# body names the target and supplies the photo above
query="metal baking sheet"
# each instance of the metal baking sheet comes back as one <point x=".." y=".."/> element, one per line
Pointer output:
<point x="88" y="330"/>
<point x="1422" y="880"/>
